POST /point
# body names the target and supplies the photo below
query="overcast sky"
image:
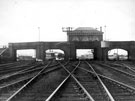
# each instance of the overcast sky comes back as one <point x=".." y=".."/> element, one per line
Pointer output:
<point x="20" y="19"/>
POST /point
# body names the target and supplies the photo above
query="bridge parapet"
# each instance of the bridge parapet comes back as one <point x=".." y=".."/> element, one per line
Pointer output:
<point x="69" y="48"/>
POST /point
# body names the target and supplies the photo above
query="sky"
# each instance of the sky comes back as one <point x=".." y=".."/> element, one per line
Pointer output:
<point x="23" y="20"/>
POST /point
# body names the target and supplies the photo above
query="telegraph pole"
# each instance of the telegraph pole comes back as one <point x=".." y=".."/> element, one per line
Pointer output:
<point x="68" y="30"/>
<point x="39" y="34"/>
<point x="105" y="32"/>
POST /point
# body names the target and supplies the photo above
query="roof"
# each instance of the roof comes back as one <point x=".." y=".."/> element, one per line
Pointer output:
<point x="87" y="30"/>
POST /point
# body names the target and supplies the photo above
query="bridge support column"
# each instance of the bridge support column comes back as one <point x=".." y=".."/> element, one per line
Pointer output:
<point x="12" y="52"/>
<point x="72" y="52"/>
<point x="97" y="54"/>
<point x="104" y="54"/>
<point x="66" y="52"/>
<point x="131" y="54"/>
<point x="66" y="55"/>
<point x="40" y="52"/>
<point x="69" y="50"/>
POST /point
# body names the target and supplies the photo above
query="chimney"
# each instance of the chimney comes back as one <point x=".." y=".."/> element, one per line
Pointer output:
<point x="101" y="29"/>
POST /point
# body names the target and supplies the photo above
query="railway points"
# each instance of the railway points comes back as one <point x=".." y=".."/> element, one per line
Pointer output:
<point x="67" y="80"/>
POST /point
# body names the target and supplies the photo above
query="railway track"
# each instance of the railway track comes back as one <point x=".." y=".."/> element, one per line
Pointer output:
<point x="18" y="76"/>
<point x="130" y="64"/>
<point x="9" y="84"/>
<point x="22" y="75"/>
<point x="29" y="85"/>
<point x="121" y="66"/>
<point x="4" y="71"/>
<point x="80" y="86"/>
<point x="13" y="65"/>
<point x="120" y="91"/>
<point x="72" y="81"/>
<point x="114" y="73"/>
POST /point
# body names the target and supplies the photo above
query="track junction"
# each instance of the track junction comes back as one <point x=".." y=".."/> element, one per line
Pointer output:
<point x="67" y="81"/>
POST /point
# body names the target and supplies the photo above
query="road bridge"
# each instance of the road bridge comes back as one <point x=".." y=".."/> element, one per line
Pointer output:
<point x="69" y="48"/>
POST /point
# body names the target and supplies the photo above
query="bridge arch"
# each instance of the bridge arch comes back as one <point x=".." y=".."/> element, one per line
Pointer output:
<point x="84" y="54"/>
<point x="117" y="54"/>
<point x="57" y="54"/>
<point x="25" y="54"/>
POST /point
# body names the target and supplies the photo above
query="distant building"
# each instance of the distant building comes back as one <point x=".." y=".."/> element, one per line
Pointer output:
<point x="25" y="58"/>
<point x="85" y="34"/>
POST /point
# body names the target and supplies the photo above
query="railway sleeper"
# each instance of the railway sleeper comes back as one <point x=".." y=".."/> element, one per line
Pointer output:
<point x="73" y="99"/>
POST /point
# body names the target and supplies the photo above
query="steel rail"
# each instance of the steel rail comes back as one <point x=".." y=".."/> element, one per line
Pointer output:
<point x="70" y="74"/>
<point x="19" y="69"/>
<point x="115" y="81"/>
<point x="56" y="90"/>
<point x="128" y="67"/>
<point x="64" y="63"/>
<point x="59" y="85"/>
<point x="11" y="97"/>
<point x="1" y="87"/>
<point x="14" y="64"/>
<point x="35" y="70"/>
<point x="21" y="72"/>
<point x="31" y="69"/>
<point x="86" y="92"/>
<point x="103" y="85"/>
<point x="72" y="70"/>
<point x="6" y="64"/>
<point x="123" y="64"/>
<point x="130" y="75"/>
